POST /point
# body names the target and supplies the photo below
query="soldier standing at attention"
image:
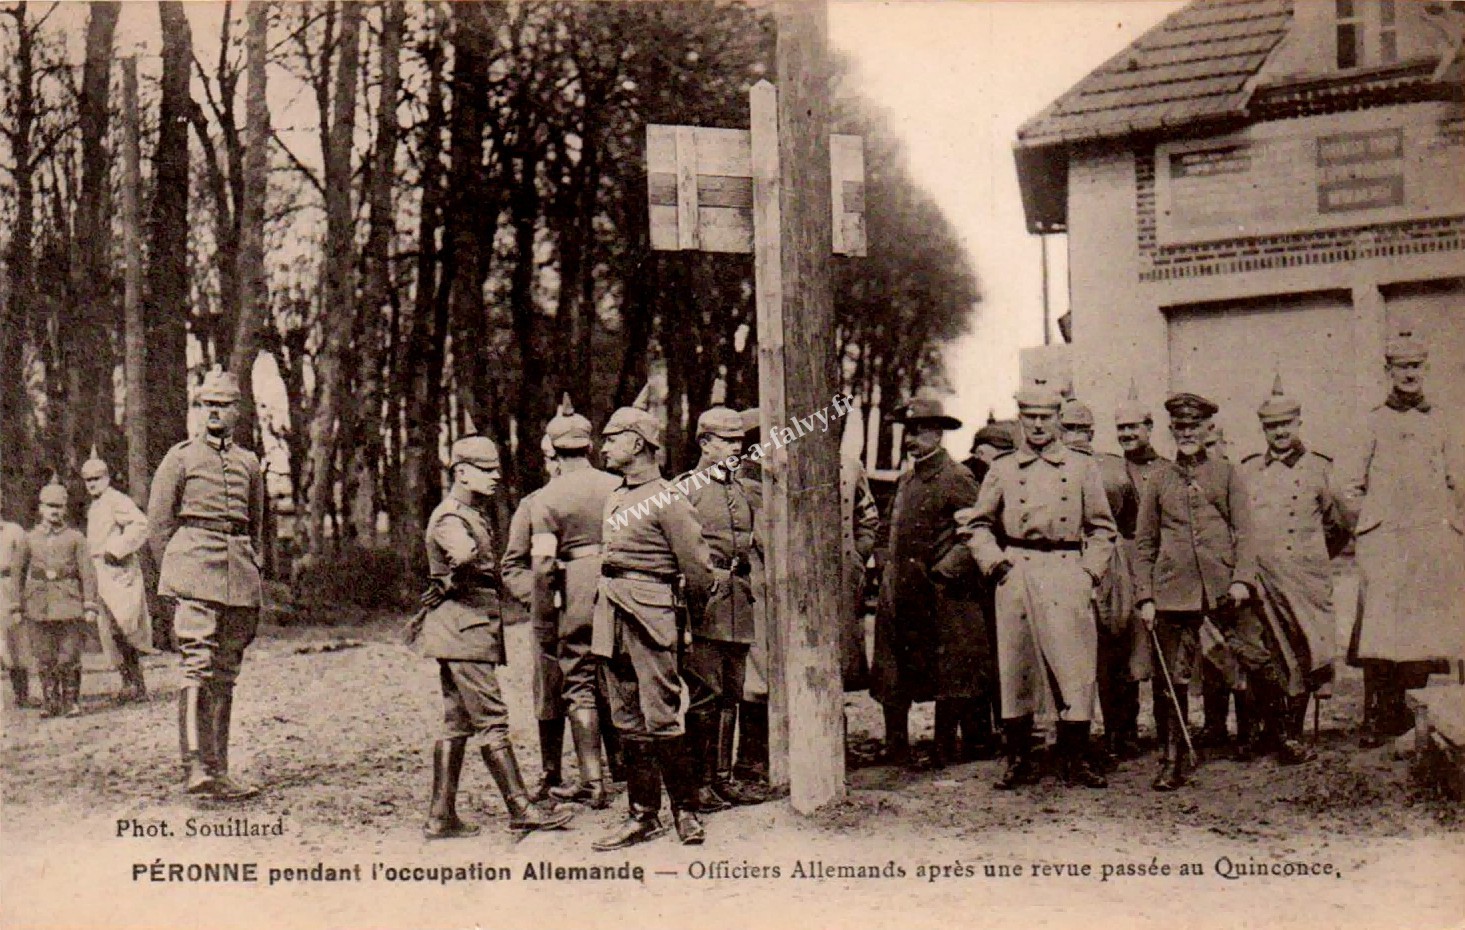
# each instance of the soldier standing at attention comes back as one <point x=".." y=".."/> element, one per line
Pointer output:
<point x="1042" y="531"/>
<point x="1298" y="527"/>
<point x="116" y="530"/>
<point x="1118" y="689"/>
<point x="462" y="628"/>
<point x="517" y="571"/>
<point x="206" y="512"/>
<point x="723" y="631"/>
<point x="1408" y="492"/>
<point x="1193" y="556"/>
<point x="15" y="649"/>
<point x="651" y="537"/>
<point x="60" y="601"/>
<point x="566" y="528"/>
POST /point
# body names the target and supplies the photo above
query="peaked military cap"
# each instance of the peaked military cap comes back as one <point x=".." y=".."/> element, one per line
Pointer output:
<point x="1076" y="414"/>
<point x="721" y="421"/>
<point x="1189" y="408"/>
<point x="1038" y="397"/>
<point x="1404" y="347"/>
<point x="54" y="492"/>
<point x="479" y="451"/>
<point x="219" y="386"/>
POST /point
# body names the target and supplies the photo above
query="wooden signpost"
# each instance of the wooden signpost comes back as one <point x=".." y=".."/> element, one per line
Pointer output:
<point x="779" y="190"/>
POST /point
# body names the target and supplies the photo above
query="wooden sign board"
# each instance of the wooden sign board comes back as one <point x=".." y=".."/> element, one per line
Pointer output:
<point x="700" y="189"/>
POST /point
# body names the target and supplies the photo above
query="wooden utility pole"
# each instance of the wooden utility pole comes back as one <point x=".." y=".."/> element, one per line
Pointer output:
<point x="804" y="513"/>
<point x="134" y="336"/>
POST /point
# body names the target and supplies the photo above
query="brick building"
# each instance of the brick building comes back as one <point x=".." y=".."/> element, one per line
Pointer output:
<point x="1256" y="185"/>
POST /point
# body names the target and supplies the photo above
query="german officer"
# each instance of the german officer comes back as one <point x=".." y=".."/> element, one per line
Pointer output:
<point x="206" y="513"/>
<point x="1118" y="689"/>
<point x="1042" y="530"/>
<point x="115" y="532"/>
<point x="723" y="632"/>
<point x="462" y="628"/>
<point x="651" y="536"/>
<point x="60" y="602"/>
<point x="1298" y="527"/>
<point x="565" y="537"/>
<point x="1192" y="557"/>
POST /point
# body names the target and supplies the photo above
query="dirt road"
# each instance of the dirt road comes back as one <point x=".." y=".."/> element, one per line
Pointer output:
<point x="337" y="723"/>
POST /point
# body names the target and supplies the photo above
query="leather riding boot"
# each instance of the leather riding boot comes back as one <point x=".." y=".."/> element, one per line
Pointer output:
<point x="615" y="768"/>
<point x="49" y="702"/>
<point x="1252" y="711"/>
<point x="701" y="752"/>
<point x="944" y="728"/>
<point x="523" y="815"/>
<point x="723" y="781"/>
<point x="134" y="688"/>
<point x="193" y="707"/>
<point x="897" y="734"/>
<point x="1176" y="757"/>
<point x="1074" y="750"/>
<point x="1020" y="769"/>
<point x="591" y="789"/>
<point x="551" y="752"/>
<point x="677" y="765"/>
<point x="752" y="761"/>
<point x="643" y="796"/>
<point x="1160" y="698"/>
<point x="216" y="756"/>
<point x="977" y="739"/>
<point x="20" y="683"/>
<point x="1369" y="732"/>
<point x="71" y="690"/>
<point x="1215" y="705"/>
<point x="447" y="767"/>
<point x="1292" y="719"/>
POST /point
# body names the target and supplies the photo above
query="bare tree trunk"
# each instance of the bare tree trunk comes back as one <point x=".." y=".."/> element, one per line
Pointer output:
<point x="365" y="454"/>
<point x="135" y="337"/>
<point x="16" y="444"/>
<point x="166" y="306"/>
<point x="338" y="297"/>
<point x="254" y="298"/>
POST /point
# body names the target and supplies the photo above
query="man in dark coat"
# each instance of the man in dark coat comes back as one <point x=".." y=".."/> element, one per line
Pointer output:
<point x="930" y="636"/>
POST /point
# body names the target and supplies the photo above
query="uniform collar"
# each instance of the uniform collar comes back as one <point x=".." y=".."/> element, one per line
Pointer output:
<point x="50" y="530"/>
<point x="218" y="445"/>
<point x="714" y="471"/>
<point x="638" y="475"/>
<point x="1290" y="458"/>
<point x="1404" y="402"/>
<point x="1192" y="461"/>
<point x="1054" y="452"/>
<point x="1142" y="456"/>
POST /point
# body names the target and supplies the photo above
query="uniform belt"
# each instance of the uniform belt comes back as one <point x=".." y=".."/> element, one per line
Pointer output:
<point x="611" y="571"/>
<point x="227" y="527"/>
<point x="1045" y="545"/>
<point x="738" y="565"/>
<point x="580" y="552"/>
<point x="50" y="574"/>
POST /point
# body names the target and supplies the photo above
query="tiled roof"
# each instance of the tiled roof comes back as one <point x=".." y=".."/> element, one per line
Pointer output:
<point x="1194" y="66"/>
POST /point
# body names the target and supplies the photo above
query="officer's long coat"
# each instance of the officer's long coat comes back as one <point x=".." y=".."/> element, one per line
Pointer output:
<point x="930" y="636"/>
<point x="1408" y="491"/>
<point x="468" y="626"/>
<point x="1297" y="526"/>
<point x="1046" y="631"/>
<point x="15" y="649"/>
<point x="116" y="528"/>
<point x="727" y="509"/>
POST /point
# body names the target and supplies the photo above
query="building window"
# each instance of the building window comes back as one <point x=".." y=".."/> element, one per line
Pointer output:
<point x="1349" y="32"/>
<point x="1388" y="33"/>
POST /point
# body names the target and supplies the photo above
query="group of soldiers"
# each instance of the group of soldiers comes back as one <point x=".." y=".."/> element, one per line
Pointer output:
<point x="1044" y="579"/>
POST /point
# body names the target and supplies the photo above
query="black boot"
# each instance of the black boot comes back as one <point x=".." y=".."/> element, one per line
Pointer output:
<point x="615" y="768"/>
<point x="1175" y="758"/>
<point x="20" y="683"/>
<point x="723" y="781"/>
<point x="1253" y="710"/>
<point x="944" y="729"/>
<point x="1073" y="750"/>
<point x="1020" y="770"/>
<point x="523" y="815"/>
<point x="643" y="794"/>
<point x="701" y="751"/>
<point x="134" y="688"/>
<point x="216" y="756"/>
<point x="193" y="734"/>
<point x="1291" y="721"/>
<point x="752" y="761"/>
<point x="447" y="767"/>
<point x="591" y="789"/>
<point x="678" y="772"/>
<point x="70" y="677"/>
<point x="897" y="734"/>
<point x="1215" y="706"/>
<point x="978" y="742"/>
<point x="551" y="752"/>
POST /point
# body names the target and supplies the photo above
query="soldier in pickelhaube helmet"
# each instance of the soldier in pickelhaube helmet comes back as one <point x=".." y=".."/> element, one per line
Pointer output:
<point x="1298" y="526"/>
<point x="652" y="543"/>
<point x="206" y="514"/>
<point x="461" y="626"/>
<point x="60" y="596"/>
<point x="566" y="529"/>
<point x="1407" y="495"/>
<point x="116" y="531"/>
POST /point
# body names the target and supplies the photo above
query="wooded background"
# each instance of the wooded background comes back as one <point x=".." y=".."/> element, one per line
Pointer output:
<point x="428" y="217"/>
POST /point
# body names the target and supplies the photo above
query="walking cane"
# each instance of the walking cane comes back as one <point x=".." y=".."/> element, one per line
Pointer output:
<point x="1174" y="701"/>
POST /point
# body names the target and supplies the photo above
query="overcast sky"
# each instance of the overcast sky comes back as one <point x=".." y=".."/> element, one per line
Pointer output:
<point x="957" y="78"/>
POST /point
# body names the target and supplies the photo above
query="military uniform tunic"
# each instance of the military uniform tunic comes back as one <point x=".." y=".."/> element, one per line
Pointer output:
<point x="1045" y="513"/>
<point x="60" y="588"/>
<point x="15" y="651"/>
<point x="651" y="535"/>
<point x="465" y="632"/>
<point x="566" y="529"/>
<point x="206" y="513"/>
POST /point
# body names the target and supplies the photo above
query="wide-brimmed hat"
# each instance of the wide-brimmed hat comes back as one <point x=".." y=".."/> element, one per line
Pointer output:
<point x="925" y="411"/>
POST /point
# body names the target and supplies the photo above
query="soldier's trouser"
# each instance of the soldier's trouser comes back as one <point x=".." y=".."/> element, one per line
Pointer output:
<point x="580" y="681"/>
<point x="721" y="665"/>
<point x="1179" y="635"/>
<point x="472" y="702"/>
<point x="548" y="680"/>
<point x="57" y="644"/>
<point x="15" y="649"/>
<point x="212" y="638"/>
<point x="642" y="686"/>
<point x="1118" y="691"/>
